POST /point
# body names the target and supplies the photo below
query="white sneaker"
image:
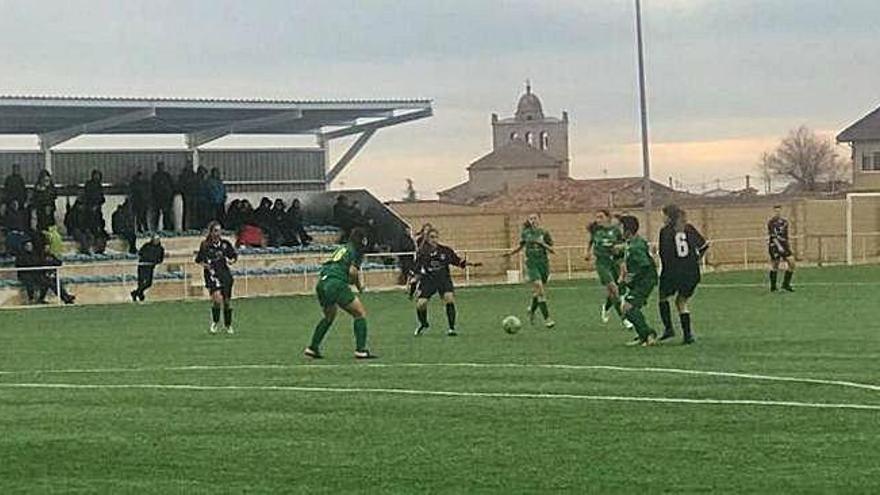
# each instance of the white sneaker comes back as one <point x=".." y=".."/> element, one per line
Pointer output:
<point x="627" y="324"/>
<point x="213" y="330"/>
<point x="229" y="331"/>
<point x="604" y="313"/>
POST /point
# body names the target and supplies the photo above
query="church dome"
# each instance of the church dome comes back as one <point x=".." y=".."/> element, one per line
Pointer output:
<point x="529" y="106"/>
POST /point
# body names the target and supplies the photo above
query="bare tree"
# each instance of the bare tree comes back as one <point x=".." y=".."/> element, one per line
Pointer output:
<point x="805" y="158"/>
<point x="765" y="168"/>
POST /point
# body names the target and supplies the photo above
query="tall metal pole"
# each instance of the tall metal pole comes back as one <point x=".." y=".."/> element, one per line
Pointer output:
<point x="643" y="108"/>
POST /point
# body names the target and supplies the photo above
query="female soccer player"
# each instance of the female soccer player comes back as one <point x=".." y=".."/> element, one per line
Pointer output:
<point x="215" y="255"/>
<point x="432" y="268"/>
<point x="641" y="278"/>
<point x="334" y="291"/>
<point x="681" y="248"/>
<point x="608" y="245"/>
<point x="537" y="243"/>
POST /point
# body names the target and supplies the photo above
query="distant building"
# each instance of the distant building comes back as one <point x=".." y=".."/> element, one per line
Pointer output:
<point x="526" y="147"/>
<point x="864" y="139"/>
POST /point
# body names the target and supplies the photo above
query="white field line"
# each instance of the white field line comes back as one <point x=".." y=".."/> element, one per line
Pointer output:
<point x="443" y="393"/>
<point x="743" y="285"/>
<point x="571" y="367"/>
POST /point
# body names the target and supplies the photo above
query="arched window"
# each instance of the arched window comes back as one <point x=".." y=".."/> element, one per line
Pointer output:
<point x="545" y="140"/>
<point x="514" y="136"/>
<point x="530" y="139"/>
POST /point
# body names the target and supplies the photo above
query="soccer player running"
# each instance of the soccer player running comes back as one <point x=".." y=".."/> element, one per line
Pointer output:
<point x="432" y="268"/>
<point x="681" y="249"/>
<point x="780" y="250"/>
<point x="334" y="291"/>
<point x="216" y="255"/>
<point x="537" y="243"/>
<point x="150" y="255"/>
<point x="607" y="245"/>
<point x="641" y="278"/>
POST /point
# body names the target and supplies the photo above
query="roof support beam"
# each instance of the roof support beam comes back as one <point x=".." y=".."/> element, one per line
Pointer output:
<point x="50" y="139"/>
<point x="356" y="129"/>
<point x="198" y="138"/>
<point x="349" y="155"/>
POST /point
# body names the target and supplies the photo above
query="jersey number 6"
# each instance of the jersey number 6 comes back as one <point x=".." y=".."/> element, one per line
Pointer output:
<point x="681" y="245"/>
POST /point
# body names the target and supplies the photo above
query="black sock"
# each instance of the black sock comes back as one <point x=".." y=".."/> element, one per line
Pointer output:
<point x="423" y="317"/>
<point x="773" y="274"/>
<point x="450" y="315"/>
<point x="666" y="316"/>
<point x="227" y="316"/>
<point x="215" y="314"/>
<point x="545" y="312"/>
<point x="609" y="303"/>
<point x="534" y="305"/>
<point x="685" y="319"/>
<point x="786" y="278"/>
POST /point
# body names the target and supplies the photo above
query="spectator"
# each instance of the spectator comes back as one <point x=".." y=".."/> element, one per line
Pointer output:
<point x="30" y="279"/>
<point x="216" y="196"/>
<point x="151" y="254"/>
<point x="295" y="222"/>
<point x="54" y="241"/>
<point x="76" y="221"/>
<point x="50" y="277"/>
<point x="188" y="183"/>
<point x="97" y="229"/>
<point x="342" y="217"/>
<point x="140" y="196"/>
<point x="250" y="235"/>
<point x="203" y="202"/>
<point x="43" y="200"/>
<point x="94" y="190"/>
<point x="122" y="223"/>
<point x="163" y="198"/>
<point x="264" y="219"/>
<point x="16" y="224"/>
<point x="235" y="215"/>
<point x="14" y="188"/>
<point x="283" y="234"/>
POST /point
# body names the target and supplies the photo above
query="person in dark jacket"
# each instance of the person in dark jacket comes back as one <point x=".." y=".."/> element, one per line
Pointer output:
<point x="50" y="277"/>
<point x="283" y="233"/>
<point x="93" y="194"/>
<point x="216" y="192"/>
<point x="295" y="221"/>
<point x="188" y="184"/>
<point x="30" y="279"/>
<point x="151" y="254"/>
<point x="265" y="220"/>
<point x="14" y="188"/>
<point x="43" y="200"/>
<point x="140" y="195"/>
<point x="163" y="198"/>
<point x="75" y="221"/>
<point x="122" y="223"/>
<point x="203" y="202"/>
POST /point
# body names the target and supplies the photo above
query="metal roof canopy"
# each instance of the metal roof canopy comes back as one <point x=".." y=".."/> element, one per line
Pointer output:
<point x="55" y="120"/>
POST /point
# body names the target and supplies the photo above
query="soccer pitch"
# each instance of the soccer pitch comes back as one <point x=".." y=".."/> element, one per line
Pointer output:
<point x="781" y="393"/>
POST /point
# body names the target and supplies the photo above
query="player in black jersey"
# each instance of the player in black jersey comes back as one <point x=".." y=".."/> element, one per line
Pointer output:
<point x="681" y="249"/>
<point x="215" y="255"/>
<point x="432" y="271"/>
<point x="780" y="249"/>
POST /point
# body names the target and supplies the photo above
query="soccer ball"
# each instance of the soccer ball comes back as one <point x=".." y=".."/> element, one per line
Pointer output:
<point x="511" y="324"/>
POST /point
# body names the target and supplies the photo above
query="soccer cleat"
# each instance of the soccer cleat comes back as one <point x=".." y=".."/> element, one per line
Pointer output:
<point x="627" y="325"/>
<point x="650" y="341"/>
<point x="451" y="333"/>
<point x="142" y="296"/>
<point x="420" y="330"/>
<point x="787" y="288"/>
<point x="550" y="324"/>
<point x="365" y="354"/>
<point x="134" y="296"/>
<point x="604" y="314"/>
<point x="311" y="353"/>
<point x="667" y="334"/>
<point x="229" y="330"/>
<point x="634" y="342"/>
<point x="213" y="330"/>
<point x="688" y="340"/>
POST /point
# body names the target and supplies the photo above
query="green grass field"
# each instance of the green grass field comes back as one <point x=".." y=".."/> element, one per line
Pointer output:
<point x="150" y="403"/>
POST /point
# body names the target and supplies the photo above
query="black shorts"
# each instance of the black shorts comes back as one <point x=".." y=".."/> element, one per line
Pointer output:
<point x="779" y="252"/>
<point x="219" y="282"/>
<point x="428" y="286"/>
<point x="683" y="285"/>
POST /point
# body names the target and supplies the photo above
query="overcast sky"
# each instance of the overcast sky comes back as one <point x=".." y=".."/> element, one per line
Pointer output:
<point x="726" y="78"/>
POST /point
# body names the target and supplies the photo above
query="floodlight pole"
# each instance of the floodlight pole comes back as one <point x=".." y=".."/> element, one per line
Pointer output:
<point x="643" y="109"/>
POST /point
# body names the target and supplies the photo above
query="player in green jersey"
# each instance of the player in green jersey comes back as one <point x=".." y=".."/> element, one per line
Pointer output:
<point x="537" y="243"/>
<point x="641" y="278"/>
<point x="334" y="291"/>
<point x="607" y="246"/>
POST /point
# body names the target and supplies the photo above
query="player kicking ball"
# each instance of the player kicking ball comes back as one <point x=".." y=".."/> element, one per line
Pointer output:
<point x="780" y="250"/>
<point x="607" y="246"/>
<point x="681" y="249"/>
<point x="641" y="278"/>
<point x="334" y="291"/>
<point x="432" y="270"/>
<point x="537" y="243"/>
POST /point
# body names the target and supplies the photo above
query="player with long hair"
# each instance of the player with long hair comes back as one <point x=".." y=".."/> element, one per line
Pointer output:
<point x="779" y="248"/>
<point x="608" y="246"/>
<point x="432" y="269"/>
<point x="537" y="243"/>
<point x="334" y="291"/>
<point x="215" y="256"/>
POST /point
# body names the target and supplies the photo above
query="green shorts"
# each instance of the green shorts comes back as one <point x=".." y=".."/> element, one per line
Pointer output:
<point x="637" y="294"/>
<point x="538" y="271"/>
<point x="333" y="291"/>
<point x="608" y="271"/>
